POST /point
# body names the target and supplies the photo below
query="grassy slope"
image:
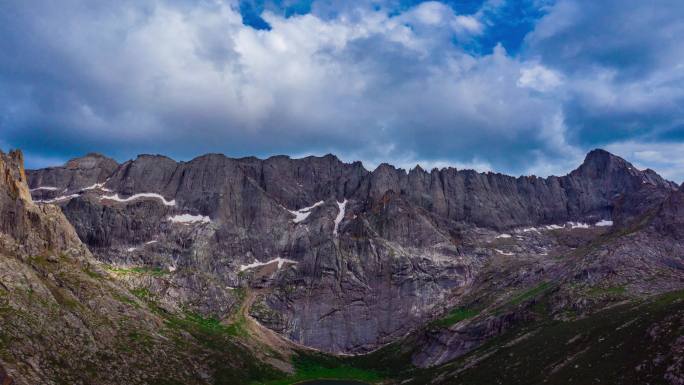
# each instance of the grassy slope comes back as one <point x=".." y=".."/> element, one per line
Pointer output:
<point x="615" y="345"/>
<point x="607" y="346"/>
<point x="133" y="338"/>
<point x="311" y="366"/>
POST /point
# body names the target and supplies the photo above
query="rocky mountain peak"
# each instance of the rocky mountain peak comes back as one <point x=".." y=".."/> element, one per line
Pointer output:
<point x="13" y="180"/>
<point x="90" y="161"/>
<point x="600" y="162"/>
<point x="616" y="176"/>
<point x="29" y="227"/>
<point x="417" y="169"/>
<point x="331" y="157"/>
<point x="336" y="258"/>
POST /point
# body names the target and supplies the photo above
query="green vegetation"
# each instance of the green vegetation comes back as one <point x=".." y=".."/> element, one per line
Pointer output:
<point x="610" y="346"/>
<point x="612" y="235"/>
<point x="673" y="297"/>
<point x="140" y="338"/>
<point x="193" y="321"/>
<point x="456" y="315"/>
<point x="612" y="290"/>
<point x="240" y="293"/>
<point x="123" y="299"/>
<point x="223" y="347"/>
<point x="92" y="274"/>
<point x="63" y="297"/>
<point x="315" y="366"/>
<point x="530" y="293"/>
<point x="391" y="360"/>
<point x="206" y="324"/>
<point x="197" y="324"/>
<point x="209" y="331"/>
<point x="142" y="293"/>
<point x="38" y="261"/>
<point x="239" y="327"/>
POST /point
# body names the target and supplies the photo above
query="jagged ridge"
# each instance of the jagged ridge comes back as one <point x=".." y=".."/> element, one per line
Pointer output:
<point x="406" y="242"/>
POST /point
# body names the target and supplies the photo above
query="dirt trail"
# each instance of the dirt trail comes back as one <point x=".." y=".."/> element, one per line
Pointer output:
<point x="269" y="345"/>
<point x="267" y="336"/>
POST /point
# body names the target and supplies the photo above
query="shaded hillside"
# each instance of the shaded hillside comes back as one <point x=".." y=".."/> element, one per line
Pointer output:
<point x="65" y="320"/>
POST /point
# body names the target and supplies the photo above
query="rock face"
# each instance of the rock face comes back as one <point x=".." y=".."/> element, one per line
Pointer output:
<point x="641" y="258"/>
<point x="77" y="174"/>
<point x="29" y="228"/>
<point x="64" y="319"/>
<point x="345" y="260"/>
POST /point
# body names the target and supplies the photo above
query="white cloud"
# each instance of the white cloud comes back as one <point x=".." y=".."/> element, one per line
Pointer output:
<point x="431" y="12"/>
<point x="365" y="84"/>
<point x="667" y="158"/>
<point x="367" y="81"/>
<point x="561" y="156"/>
<point x="468" y="24"/>
<point x="440" y="18"/>
<point x="539" y="78"/>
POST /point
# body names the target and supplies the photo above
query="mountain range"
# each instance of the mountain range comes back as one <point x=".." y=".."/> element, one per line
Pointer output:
<point x="273" y="271"/>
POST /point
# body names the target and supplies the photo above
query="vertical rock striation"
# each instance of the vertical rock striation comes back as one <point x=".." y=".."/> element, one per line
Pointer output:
<point x="406" y="242"/>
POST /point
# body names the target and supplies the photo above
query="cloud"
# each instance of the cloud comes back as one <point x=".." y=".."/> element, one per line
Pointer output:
<point x="665" y="157"/>
<point x="440" y="15"/>
<point x="191" y="80"/>
<point x="366" y="80"/>
<point x="539" y="78"/>
<point x="622" y="65"/>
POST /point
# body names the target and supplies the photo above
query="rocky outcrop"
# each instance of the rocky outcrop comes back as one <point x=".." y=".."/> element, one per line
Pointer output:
<point x="26" y="227"/>
<point x="587" y="194"/>
<point x="484" y="199"/>
<point x="65" y="319"/>
<point x="636" y="258"/>
<point x="326" y="254"/>
<point x="77" y="174"/>
<point x="670" y="216"/>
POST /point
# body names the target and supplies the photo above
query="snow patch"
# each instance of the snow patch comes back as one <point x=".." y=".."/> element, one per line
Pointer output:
<point x="131" y="249"/>
<point x="188" y="218"/>
<point x="151" y="242"/>
<point x="503" y="236"/>
<point x="59" y="199"/>
<point x="304" y="213"/>
<point x="573" y="225"/>
<point x="47" y="188"/>
<point x="116" y="198"/>
<point x="503" y="252"/>
<point x="604" y="223"/>
<point x="340" y="215"/>
<point x="280" y="261"/>
<point x="97" y="186"/>
<point x="529" y="229"/>
<point x="578" y="225"/>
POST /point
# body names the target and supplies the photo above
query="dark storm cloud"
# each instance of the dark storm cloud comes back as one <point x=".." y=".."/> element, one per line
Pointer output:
<point x="399" y="81"/>
<point x="625" y="65"/>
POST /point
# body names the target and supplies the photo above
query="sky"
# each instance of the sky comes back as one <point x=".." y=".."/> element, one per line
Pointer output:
<point x="520" y="87"/>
